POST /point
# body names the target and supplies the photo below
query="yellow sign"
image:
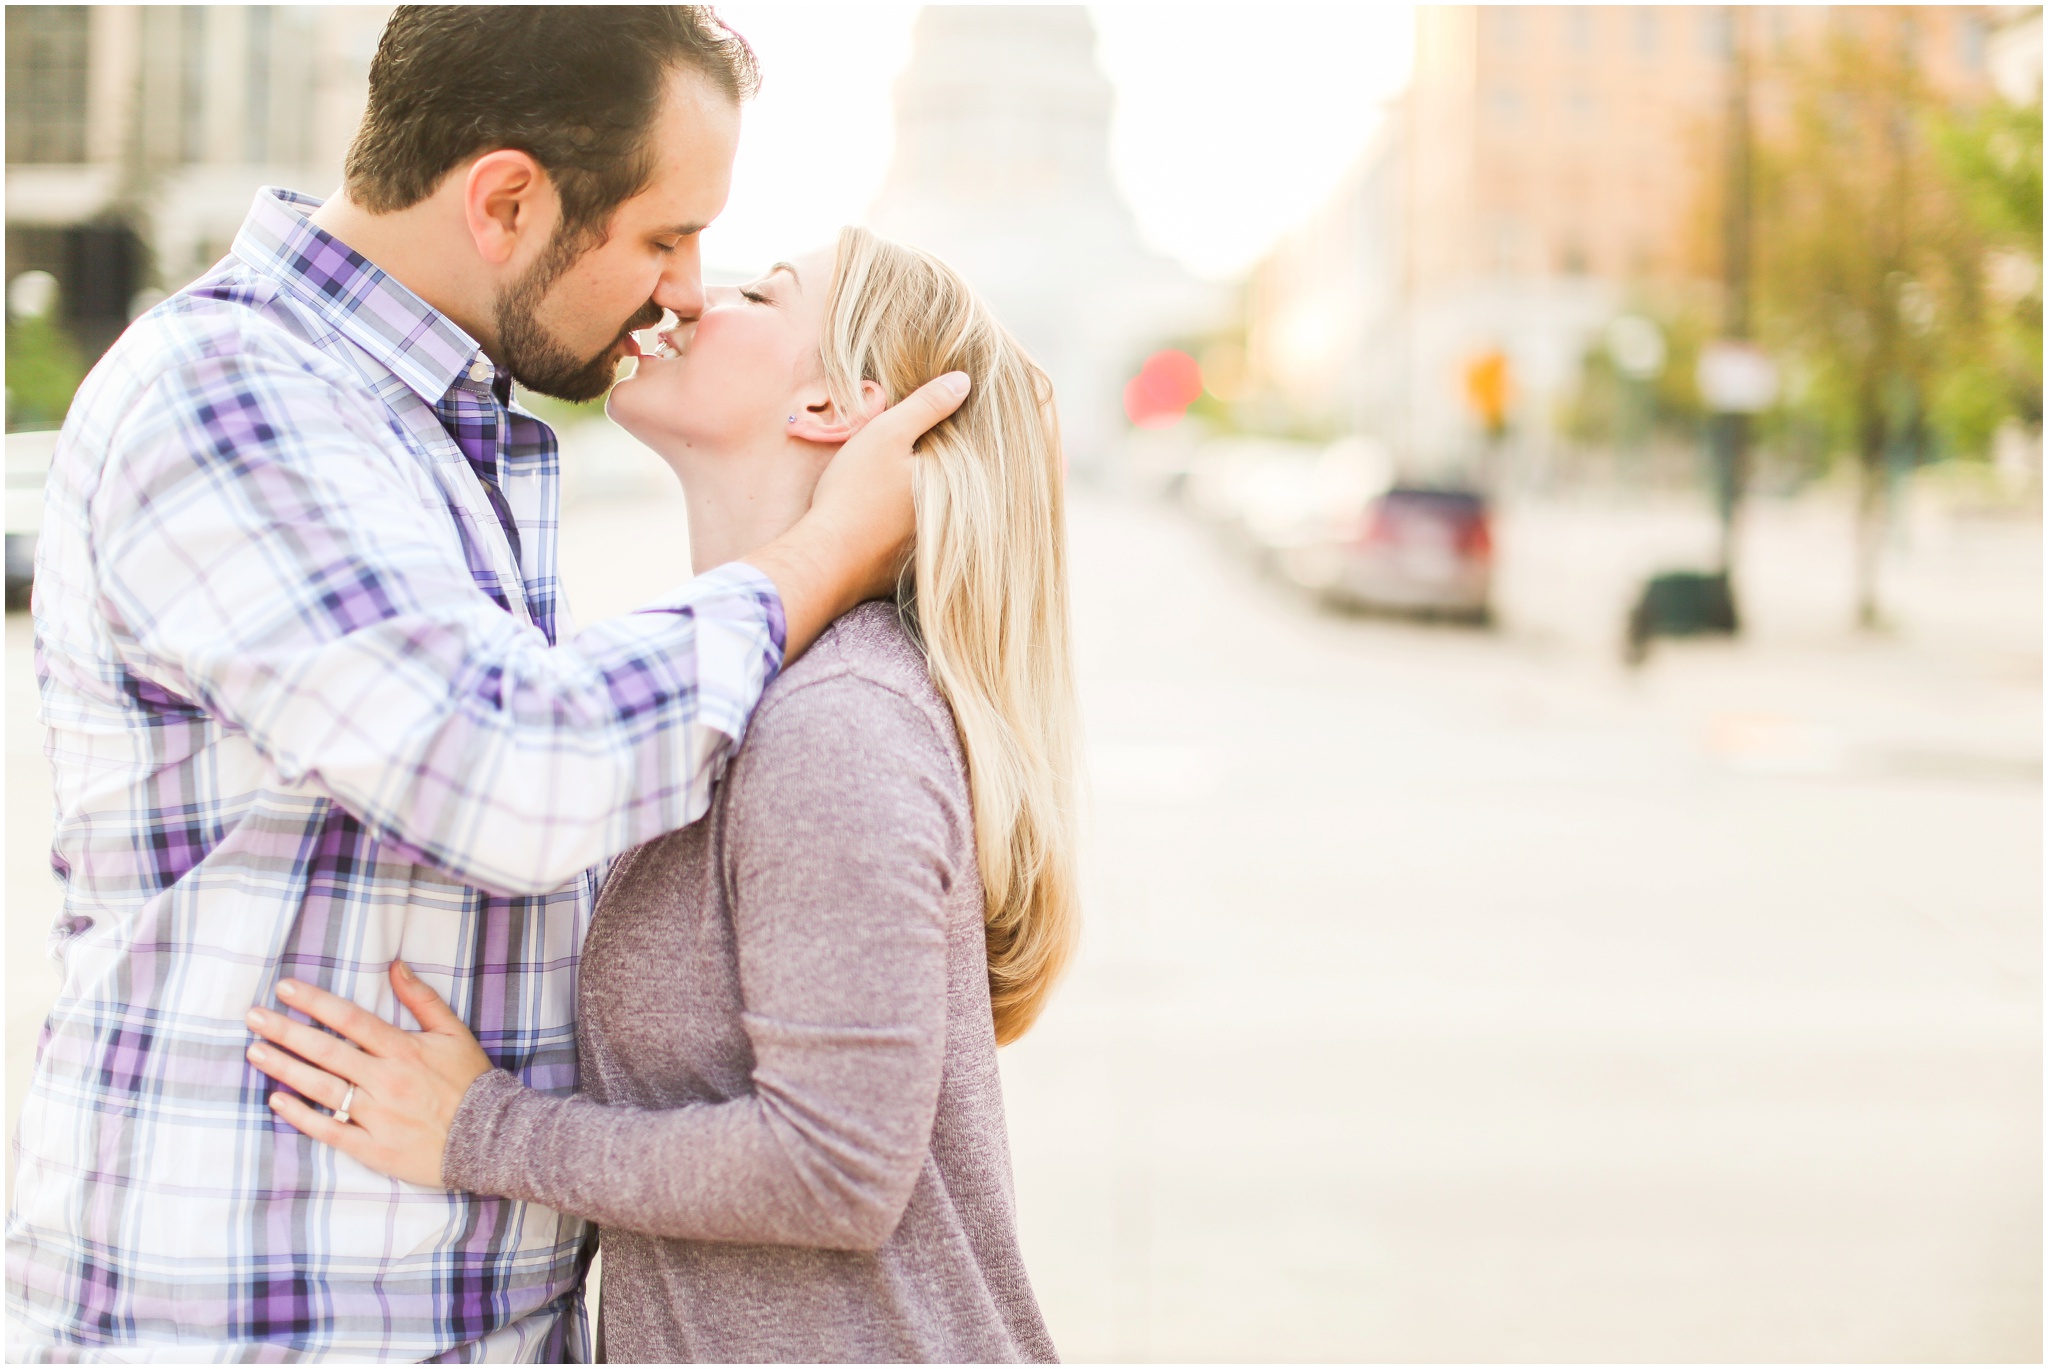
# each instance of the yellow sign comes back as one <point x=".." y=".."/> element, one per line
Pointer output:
<point x="1488" y="389"/>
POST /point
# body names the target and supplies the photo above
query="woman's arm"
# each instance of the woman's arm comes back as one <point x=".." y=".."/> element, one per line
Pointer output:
<point x="841" y="836"/>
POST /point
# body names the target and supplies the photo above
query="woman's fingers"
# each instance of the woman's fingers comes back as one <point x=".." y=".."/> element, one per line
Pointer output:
<point x="924" y="407"/>
<point x="366" y="1029"/>
<point x="352" y="1141"/>
<point x="330" y="1053"/>
<point x="323" y="1088"/>
<point x="851" y="544"/>
<point x="428" y="1007"/>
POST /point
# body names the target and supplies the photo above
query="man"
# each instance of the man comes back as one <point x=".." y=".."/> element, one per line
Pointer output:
<point x="312" y="708"/>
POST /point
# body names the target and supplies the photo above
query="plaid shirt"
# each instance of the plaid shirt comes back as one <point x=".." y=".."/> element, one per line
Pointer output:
<point x="307" y="713"/>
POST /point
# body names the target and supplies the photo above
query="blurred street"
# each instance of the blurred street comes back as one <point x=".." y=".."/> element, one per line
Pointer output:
<point x="1455" y="995"/>
<point x="1449" y="993"/>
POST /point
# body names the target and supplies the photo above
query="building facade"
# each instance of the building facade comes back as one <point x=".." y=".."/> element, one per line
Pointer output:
<point x="1542" y="173"/>
<point x="1001" y="166"/>
<point x="137" y="135"/>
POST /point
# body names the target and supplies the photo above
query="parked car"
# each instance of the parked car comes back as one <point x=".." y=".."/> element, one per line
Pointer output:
<point x="1421" y="550"/>
<point x="28" y="462"/>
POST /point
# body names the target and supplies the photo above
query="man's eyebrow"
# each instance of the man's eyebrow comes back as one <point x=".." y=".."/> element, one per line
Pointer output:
<point x="679" y="230"/>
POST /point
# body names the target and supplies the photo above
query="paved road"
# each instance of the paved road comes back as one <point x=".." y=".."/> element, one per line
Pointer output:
<point x="1460" y="998"/>
<point x="1454" y="996"/>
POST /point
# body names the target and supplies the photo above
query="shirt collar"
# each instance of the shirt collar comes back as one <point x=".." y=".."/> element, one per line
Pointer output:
<point x="420" y="344"/>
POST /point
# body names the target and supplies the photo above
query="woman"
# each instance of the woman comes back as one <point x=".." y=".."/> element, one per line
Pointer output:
<point x="790" y="1122"/>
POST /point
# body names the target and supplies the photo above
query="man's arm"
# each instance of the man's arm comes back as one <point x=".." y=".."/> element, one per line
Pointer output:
<point x="262" y="550"/>
<point x="851" y="545"/>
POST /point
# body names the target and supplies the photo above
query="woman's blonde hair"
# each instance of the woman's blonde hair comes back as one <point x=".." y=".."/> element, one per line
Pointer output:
<point x="986" y="592"/>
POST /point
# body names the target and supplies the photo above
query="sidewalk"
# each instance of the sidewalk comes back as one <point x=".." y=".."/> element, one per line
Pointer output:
<point x="1461" y="996"/>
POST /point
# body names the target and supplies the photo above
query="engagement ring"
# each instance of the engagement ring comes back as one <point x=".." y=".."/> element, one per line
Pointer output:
<point x="341" y="1113"/>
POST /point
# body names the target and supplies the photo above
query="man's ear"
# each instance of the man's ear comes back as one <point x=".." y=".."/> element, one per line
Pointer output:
<point x="821" y="421"/>
<point x="508" y="200"/>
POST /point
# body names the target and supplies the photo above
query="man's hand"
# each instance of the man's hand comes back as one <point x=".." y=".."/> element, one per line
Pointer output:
<point x="851" y="545"/>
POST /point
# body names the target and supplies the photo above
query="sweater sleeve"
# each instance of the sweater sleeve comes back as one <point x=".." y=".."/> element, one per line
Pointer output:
<point x="840" y="836"/>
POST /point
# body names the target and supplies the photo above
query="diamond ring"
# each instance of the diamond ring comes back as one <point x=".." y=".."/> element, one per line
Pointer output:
<point x="341" y="1113"/>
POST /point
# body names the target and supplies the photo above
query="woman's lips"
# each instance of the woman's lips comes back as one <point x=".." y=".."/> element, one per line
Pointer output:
<point x="662" y="345"/>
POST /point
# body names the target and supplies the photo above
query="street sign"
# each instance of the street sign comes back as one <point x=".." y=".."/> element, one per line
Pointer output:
<point x="1637" y="346"/>
<point x="1736" y="377"/>
<point x="1489" y="388"/>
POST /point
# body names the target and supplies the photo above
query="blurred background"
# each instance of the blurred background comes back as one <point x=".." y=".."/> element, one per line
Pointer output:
<point x="1556" y="519"/>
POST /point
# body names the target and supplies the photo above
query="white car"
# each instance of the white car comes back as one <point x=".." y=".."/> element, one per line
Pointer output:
<point x="1421" y="550"/>
<point x="28" y="462"/>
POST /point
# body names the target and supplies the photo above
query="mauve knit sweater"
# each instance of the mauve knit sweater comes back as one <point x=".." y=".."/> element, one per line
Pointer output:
<point x="790" y="1125"/>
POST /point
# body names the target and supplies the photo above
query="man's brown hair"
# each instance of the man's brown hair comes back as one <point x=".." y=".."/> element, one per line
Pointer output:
<point x="576" y="87"/>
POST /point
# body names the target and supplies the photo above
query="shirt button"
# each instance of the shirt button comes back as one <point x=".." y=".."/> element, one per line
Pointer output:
<point x="479" y="369"/>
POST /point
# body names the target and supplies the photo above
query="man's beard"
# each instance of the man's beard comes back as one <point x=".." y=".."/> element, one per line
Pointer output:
<point x="535" y="357"/>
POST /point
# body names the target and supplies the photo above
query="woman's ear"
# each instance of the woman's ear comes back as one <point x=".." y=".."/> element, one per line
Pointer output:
<point x="821" y="420"/>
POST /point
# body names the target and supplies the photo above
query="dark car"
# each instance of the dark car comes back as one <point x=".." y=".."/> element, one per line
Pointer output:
<point x="1422" y="550"/>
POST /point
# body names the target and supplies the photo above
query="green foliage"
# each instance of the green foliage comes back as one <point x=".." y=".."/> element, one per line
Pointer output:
<point x="1880" y="216"/>
<point x="1993" y="155"/>
<point x="1969" y="402"/>
<point x="1608" y="407"/>
<point x="43" y="371"/>
<point x="559" y="413"/>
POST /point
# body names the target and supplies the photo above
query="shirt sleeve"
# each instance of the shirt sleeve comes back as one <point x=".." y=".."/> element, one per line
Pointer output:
<point x="838" y="843"/>
<point x="268" y="552"/>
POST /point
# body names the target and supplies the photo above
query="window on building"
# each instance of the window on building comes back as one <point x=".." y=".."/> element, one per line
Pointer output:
<point x="1646" y="31"/>
<point x="291" y="100"/>
<point x="192" y="85"/>
<point x="1717" y="34"/>
<point x="256" y="111"/>
<point x="46" y="47"/>
<point x="1504" y="245"/>
<point x="1781" y="30"/>
<point x="1578" y="28"/>
<point x="1970" y="36"/>
<point x="1503" y="27"/>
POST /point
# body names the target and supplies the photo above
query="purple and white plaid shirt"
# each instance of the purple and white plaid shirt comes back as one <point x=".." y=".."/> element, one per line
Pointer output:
<point x="306" y="714"/>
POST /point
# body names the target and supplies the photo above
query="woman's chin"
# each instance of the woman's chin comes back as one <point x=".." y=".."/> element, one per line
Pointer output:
<point x="626" y="402"/>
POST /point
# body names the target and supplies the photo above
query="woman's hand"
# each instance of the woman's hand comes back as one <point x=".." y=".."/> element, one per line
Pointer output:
<point x="408" y="1085"/>
<point x="850" y="545"/>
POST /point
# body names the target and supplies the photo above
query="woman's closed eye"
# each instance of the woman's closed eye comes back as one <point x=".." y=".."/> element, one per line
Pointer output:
<point x="753" y="296"/>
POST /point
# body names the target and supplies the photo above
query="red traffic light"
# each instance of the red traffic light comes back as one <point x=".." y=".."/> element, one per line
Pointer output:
<point x="1160" y="393"/>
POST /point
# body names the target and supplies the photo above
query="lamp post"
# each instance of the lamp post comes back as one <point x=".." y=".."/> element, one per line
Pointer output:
<point x="1736" y="380"/>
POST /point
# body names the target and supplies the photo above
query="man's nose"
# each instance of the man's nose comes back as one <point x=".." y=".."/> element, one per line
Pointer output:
<point x="681" y="288"/>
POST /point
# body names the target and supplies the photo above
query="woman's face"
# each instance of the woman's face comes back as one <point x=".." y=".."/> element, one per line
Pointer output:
<point x="740" y="372"/>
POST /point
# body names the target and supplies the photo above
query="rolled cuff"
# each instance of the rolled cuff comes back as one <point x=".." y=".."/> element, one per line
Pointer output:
<point x="482" y="1151"/>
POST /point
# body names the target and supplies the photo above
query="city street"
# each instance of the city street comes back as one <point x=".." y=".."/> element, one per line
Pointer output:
<point x="1458" y="995"/>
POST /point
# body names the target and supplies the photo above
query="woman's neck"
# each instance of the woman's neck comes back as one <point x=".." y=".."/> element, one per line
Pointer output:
<point x="740" y="500"/>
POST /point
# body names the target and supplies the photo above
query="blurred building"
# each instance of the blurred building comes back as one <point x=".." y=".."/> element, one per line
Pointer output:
<point x="2016" y="52"/>
<point x="1541" y="173"/>
<point x="1001" y="166"/>
<point x="137" y="135"/>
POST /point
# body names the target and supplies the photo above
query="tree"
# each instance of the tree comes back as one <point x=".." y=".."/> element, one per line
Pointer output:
<point x="1869" y="264"/>
<point x="1993" y="155"/>
<point x="43" y="370"/>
